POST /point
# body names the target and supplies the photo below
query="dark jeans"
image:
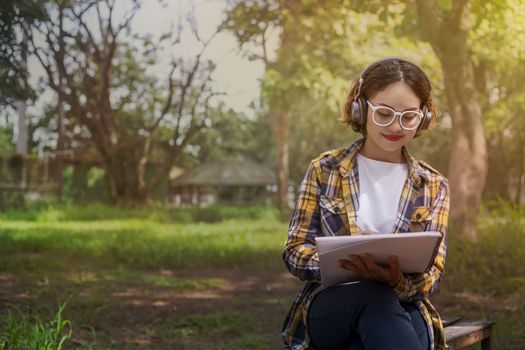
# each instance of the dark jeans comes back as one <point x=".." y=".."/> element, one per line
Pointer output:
<point x="365" y="315"/>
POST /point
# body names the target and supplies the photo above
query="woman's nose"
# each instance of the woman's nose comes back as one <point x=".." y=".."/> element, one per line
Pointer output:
<point x="395" y="126"/>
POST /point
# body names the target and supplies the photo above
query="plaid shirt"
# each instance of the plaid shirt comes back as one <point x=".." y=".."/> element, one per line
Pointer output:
<point x="327" y="204"/>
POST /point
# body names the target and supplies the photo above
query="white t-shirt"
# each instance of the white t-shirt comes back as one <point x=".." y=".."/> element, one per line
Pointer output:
<point x="380" y="187"/>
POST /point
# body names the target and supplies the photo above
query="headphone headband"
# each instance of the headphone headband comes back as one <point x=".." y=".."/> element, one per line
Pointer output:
<point x="386" y="59"/>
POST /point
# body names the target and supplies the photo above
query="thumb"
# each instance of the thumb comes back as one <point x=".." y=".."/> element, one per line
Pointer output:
<point x="394" y="262"/>
<point x="395" y="268"/>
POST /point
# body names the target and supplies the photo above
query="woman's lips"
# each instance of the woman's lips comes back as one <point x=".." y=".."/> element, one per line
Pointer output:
<point x="392" y="137"/>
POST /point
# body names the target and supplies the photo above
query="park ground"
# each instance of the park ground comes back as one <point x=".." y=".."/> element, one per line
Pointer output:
<point x="211" y="280"/>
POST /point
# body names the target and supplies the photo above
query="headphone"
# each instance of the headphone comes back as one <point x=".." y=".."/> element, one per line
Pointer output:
<point x="360" y="107"/>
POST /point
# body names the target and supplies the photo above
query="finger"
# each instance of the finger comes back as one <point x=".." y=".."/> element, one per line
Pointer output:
<point x="394" y="263"/>
<point x="346" y="264"/>
<point x="369" y="262"/>
<point x="351" y="265"/>
<point x="395" y="269"/>
<point x="378" y="272"/>
<point x="358" y="262"/>
<point x="362" y="268"/>
<point x="343" y="263"/>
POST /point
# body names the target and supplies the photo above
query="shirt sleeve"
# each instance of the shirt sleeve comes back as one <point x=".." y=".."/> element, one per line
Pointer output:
<point x="300" y="252"/>
<point x="413" y="287"/>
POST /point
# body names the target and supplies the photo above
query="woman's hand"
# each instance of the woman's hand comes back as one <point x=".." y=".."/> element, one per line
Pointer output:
<point x="366" y="268"/>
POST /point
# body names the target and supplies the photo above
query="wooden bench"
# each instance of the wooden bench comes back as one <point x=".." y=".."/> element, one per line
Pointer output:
<point x="463" y="334"/>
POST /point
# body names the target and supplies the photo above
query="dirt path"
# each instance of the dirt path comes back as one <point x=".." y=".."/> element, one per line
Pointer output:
<point x="242" y="311"/>
<point x="123" y="314"/>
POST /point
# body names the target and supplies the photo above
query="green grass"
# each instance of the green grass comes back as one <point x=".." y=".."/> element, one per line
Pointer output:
<point x="23" y="331"/>
<point x="52" y="212"/>
<point x="175" y="284"/>
<point x="230" y="330"/>
<point x="109" y="246"/>
<point x="140" y="244"/>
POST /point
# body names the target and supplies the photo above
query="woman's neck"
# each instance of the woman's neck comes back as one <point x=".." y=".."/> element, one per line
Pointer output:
<point x="372" y="151"/>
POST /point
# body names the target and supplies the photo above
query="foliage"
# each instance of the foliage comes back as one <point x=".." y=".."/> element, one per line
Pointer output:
<point x="14" y="15"/>
<point x="6" y="145"/>
<point x="84" y="184"/>
<point x="30" y="331"/>
<point x="234" y="135"/>
<point x="326" y="49"/>
<point x="50" y="211"/>
<point x="312" y="54"/>
<point x="497" y="46"/>
<point x="490" y="265"/>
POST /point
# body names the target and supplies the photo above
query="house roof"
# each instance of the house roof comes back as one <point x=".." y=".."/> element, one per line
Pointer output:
<point x="226" y="173"/>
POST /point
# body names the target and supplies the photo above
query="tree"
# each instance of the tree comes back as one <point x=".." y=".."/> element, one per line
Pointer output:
<point x="15" y="17"/>
<point x="99" y="71"/>
<point x="320" y="49"/>
<point x="255" y="29"/>
<point x="498" y="53"/>
<point x="448" y="30"/>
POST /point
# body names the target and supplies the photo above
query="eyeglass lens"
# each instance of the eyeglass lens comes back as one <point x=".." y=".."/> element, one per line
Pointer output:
<point x="384" y="116"/>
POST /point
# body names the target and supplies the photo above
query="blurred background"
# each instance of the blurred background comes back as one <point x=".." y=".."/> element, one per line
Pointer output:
<point x="151" y="151"/>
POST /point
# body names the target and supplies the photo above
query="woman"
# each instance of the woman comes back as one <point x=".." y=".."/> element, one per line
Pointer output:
<point x="376" y="186"/>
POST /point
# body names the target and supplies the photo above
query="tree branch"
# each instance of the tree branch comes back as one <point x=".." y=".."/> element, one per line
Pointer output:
<point x="169" y="103"/>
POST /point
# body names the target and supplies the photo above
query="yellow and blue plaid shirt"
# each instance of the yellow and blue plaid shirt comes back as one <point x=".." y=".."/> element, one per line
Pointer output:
<point x="327" y="204"/>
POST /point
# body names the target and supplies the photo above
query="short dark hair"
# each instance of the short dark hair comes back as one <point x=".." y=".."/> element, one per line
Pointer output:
<point x="381" y="74"/>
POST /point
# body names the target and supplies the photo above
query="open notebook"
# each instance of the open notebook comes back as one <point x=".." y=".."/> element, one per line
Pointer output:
<point x="415" y="250"/>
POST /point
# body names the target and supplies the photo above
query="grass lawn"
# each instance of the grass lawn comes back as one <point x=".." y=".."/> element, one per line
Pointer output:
<point x="156" y="280"/>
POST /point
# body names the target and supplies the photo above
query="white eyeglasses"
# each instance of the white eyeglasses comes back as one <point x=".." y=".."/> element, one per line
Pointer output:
<point x="384" y="116"/>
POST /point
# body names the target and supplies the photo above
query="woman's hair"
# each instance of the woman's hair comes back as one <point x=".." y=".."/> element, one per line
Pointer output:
<point x="380" y="75"/>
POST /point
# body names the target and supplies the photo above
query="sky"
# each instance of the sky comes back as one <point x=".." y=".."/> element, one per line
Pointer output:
<point x="235" y="75"/>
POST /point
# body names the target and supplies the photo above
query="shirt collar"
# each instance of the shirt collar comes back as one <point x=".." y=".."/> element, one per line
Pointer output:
<point x="416" y="173"/>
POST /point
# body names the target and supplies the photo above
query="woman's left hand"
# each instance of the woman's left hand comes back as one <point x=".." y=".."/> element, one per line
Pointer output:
<point x="366" y="268"/>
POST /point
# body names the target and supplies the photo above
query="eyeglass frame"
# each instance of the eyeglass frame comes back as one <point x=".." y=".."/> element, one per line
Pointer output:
<point x="396" y="113"/>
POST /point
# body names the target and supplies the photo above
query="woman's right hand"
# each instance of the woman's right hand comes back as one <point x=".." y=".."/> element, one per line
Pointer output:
<point x="365" y="267"/>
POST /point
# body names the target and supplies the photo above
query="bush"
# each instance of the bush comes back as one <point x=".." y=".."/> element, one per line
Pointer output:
<point x="494" y="263"/>
<point x="49" y="212"/>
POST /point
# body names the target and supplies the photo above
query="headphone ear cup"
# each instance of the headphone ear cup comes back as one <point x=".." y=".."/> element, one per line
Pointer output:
<point x="363" y="108"/>
<point x="356" y="114"/>
<point x="427" y="118"/>
<point x="359" y="113"/>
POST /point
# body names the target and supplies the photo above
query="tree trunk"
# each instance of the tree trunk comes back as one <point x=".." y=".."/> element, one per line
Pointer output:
<point x="281" y="130"/>
<point x="60" y="148"/>
<point x="61" y="130"/>
<point x="123" y="181"/>
<point x="21" y="142"/>
<point x="448" y="35"/>
<point x="521" y="174"/>
<point x="282" y="105"/>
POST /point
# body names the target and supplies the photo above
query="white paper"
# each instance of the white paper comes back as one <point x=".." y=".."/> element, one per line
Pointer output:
<point x="415" y="251"/>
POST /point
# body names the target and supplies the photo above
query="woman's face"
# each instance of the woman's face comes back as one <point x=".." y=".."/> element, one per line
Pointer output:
<point x="385" y="142"/>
